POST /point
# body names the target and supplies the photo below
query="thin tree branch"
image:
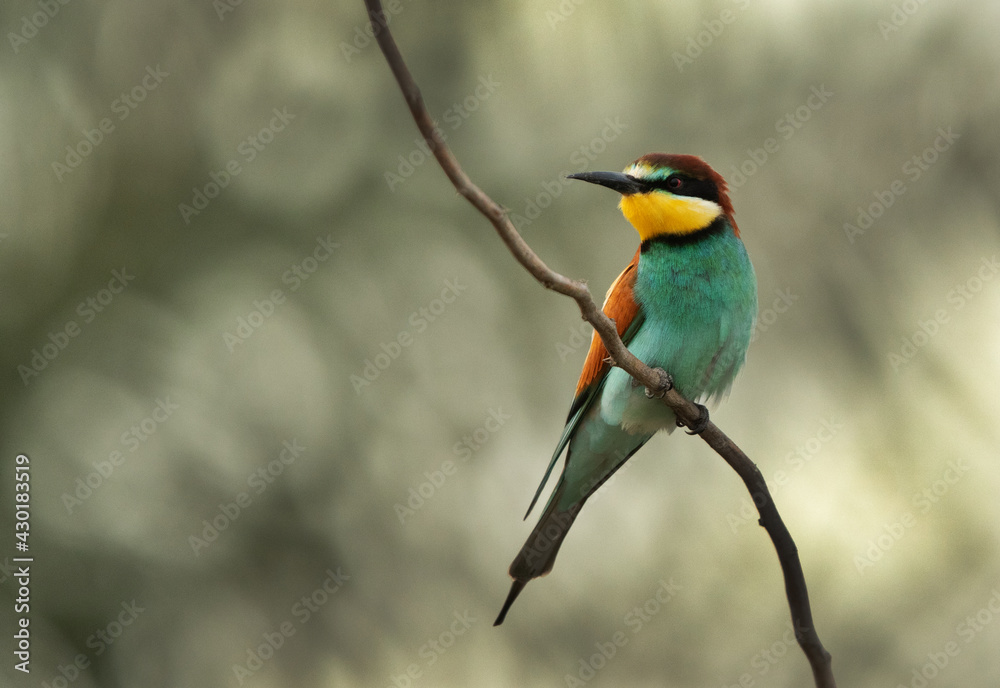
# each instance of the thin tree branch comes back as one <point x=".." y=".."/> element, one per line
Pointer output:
<point x="656" y="381"/>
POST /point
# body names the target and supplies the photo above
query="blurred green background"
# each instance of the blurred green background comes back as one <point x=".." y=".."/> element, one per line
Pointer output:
<point x="286" y="395"/>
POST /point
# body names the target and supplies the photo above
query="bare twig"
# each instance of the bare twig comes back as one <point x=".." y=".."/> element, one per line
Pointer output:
<point x="654" y="379"/>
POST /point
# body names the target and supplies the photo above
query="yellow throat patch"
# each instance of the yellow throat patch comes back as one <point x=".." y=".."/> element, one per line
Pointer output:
<point x="657" y="213"/>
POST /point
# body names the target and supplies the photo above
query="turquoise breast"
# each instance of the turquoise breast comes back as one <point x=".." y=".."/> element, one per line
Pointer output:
<point x="699" y="299"/>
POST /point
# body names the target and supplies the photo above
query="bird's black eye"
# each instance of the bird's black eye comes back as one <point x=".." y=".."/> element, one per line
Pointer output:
<point x="674" y="182"/>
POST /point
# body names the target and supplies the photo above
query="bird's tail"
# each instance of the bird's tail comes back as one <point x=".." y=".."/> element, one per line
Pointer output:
<point x="539" y="552"/>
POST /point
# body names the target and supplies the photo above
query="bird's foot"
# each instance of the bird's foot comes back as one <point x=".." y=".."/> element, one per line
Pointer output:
<point x="699" y="425"/>
<point x="666" y="384"/>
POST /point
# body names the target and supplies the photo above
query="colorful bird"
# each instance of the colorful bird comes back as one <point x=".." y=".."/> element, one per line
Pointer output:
<point x="686" y="303"/>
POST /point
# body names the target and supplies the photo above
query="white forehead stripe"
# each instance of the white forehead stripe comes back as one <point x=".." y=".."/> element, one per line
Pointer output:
<point x="638" y="170"/>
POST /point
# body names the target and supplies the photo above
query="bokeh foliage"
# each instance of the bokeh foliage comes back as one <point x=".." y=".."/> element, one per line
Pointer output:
<point x="884" y="468"/>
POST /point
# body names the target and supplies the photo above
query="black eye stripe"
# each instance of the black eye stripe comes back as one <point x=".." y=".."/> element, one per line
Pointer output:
<point x="690" y="186"/>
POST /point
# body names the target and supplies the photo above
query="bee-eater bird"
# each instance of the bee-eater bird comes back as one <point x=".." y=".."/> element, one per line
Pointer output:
<point x="686" y="303"/>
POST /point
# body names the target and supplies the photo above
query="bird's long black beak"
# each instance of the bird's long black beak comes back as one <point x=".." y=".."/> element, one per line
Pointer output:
<point x="617" y="181"/>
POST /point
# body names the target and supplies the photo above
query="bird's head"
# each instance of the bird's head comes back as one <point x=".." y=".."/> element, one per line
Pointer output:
<point x="668" y="195"/>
